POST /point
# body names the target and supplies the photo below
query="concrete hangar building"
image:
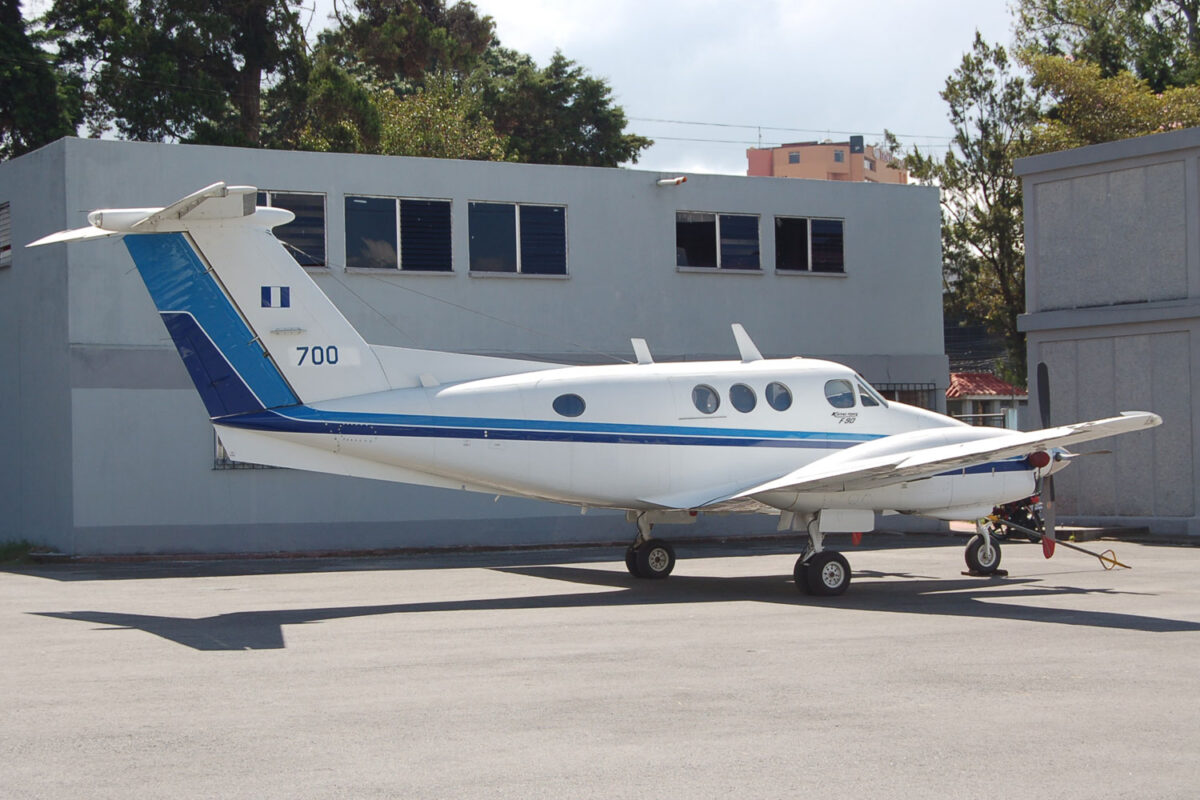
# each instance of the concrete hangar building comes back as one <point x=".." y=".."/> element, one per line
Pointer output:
<point x="1112" y="260"/>
<point x="107" y="447"/>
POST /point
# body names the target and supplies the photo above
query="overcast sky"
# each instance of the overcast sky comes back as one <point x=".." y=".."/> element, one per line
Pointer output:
<point x="819" y="68"/>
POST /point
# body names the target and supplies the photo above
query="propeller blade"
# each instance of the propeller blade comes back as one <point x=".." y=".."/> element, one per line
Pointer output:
<point x="1043" y="390"/>
<point x="1048" y="539"/>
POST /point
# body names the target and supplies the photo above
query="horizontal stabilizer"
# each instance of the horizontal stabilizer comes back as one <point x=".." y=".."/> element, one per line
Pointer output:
<point x="75" y="235"/>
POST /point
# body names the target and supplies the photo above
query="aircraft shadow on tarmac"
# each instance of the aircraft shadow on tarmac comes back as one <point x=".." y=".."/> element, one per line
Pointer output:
<point x="263" y="630"/>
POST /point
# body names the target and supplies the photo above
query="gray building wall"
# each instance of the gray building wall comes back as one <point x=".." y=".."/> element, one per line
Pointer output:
<point x="112" y="450"/>
<point x="1112" y="264"/>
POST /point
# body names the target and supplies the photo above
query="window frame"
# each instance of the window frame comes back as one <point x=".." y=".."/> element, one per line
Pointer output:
<point x="6" y="248"/>
<point x="269" y="196"/>
<point x="718" y="243"/>
<point x="517" y="243"/>
<point x="808" y="269"/>
<point x="397" y="230"/>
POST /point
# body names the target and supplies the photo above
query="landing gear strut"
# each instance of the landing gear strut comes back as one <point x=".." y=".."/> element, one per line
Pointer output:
<point x="646" y="557"/>
<point x="824" y="573"/>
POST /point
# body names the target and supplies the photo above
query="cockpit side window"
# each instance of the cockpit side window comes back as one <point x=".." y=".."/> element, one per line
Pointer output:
<point x="839" y="393"/>
<point x="866" y="390"/>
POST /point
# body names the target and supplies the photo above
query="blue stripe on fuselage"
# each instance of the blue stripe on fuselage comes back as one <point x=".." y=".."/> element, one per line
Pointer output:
<point x="305" y="419"/>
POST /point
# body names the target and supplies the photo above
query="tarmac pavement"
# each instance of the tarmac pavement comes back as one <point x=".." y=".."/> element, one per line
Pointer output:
<point x="554" y="674"/>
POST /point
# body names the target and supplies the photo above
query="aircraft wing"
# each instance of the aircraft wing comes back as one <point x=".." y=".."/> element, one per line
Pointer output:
<point x="849" y="474"/>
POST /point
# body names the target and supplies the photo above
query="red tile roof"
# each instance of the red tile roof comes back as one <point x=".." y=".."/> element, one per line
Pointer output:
<point x="972" y="384"/>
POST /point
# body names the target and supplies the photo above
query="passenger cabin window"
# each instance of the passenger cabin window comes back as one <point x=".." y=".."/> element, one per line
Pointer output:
<point x="569" y="405"/>
<point x="706" y="399"/>
<point x="839" y="393"/>
<point x="742" y="397"/>
<point x="779" y="397"/>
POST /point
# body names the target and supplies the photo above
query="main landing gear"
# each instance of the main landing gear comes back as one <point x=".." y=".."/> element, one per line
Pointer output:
<point x="820" y="572"/>
<point x="646" y="557"/>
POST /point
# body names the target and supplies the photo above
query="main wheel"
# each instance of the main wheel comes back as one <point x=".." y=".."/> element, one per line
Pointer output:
<point x="654" y="559"/>
<point x="631" y="562"/>
<point x="980" y="559"/>
<point x="826" y="574"/>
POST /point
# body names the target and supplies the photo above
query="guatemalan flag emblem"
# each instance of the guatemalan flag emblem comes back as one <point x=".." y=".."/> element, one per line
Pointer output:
<point x="276" y="297"/>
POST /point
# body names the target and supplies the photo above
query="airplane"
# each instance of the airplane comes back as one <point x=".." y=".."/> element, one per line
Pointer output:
<point x="287" y="381"/>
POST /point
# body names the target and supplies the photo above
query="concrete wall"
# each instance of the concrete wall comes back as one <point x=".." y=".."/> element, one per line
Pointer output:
<point x="135" y="458"/>
<point x="1113" y="308"/>
<point x="35" y="438"/>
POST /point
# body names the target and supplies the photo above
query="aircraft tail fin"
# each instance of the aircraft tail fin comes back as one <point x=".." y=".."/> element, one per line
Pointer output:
<point x="252" y="327"/>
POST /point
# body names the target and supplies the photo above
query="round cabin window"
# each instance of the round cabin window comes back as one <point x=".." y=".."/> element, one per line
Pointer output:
<point x="742" y="397"/>
<point x="779" y="397"/>
<point x="706" y="399"/>
<point x="569" y="405"/>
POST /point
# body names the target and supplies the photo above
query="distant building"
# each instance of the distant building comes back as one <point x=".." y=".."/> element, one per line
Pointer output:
<point x="825" y="161"/>
<point x="980" y="398"/>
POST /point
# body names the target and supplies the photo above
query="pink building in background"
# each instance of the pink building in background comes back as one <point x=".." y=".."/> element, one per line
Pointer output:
<point x="825" y="161"/>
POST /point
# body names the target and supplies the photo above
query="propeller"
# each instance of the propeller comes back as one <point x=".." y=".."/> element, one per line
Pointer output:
<point x="1046" y="490"/>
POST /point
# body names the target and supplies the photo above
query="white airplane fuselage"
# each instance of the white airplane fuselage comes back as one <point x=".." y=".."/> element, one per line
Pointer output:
<point x="640" y="438"/>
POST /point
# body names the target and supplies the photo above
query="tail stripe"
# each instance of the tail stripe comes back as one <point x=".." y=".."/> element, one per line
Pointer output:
<point x="179" y="282"/>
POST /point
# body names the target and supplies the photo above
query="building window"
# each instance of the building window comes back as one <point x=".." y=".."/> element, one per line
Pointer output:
<point x="304" y="236"/>
<point x="809" y="245"/>
<point x="839" y="156"/>
<point x="518" y="238"/>
<point x="868" y="165"/>
<point x="794" y="157"/>
<point x="389" y="233"/>
<point x="716" y="241"/>
<point x="5" y="236"/>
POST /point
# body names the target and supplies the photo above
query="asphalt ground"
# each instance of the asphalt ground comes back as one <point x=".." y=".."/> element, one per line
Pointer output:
<point x="553" y="674"/>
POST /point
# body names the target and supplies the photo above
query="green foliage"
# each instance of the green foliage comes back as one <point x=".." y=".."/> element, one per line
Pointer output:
<point x="187" y="70"/>
<point x="1157" y="40"/>
<point x="17" y="551"/>
<point x="406" y="39"/>
<point x="37" y="105"/>
<point x="439" y="121"/>
<point x="555" y="115"/>
<point x="1089" y="108"/>
<point x="983" y="251"/>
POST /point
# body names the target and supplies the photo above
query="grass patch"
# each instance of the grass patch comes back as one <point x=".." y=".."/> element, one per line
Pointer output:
<point x="18" y="552"/>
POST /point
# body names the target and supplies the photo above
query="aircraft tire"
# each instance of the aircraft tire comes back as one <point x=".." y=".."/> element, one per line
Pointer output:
<point x="976" y="562"/>
<point x="826" y="574"/>
<point x="655" y="559"/>
<point x="631" y="562"/>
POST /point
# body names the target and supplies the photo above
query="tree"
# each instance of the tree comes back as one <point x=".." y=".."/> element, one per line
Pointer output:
<point x="190" y="70"/>
<point x="36" y="106"/>
<point x="405" y="39"/>
<point x="556" y="115"/>
<point x="992" y="111"/>
<point x="1157" y="40"/>
<point x="1089" y="108"/>
<point x="439" y="121"/>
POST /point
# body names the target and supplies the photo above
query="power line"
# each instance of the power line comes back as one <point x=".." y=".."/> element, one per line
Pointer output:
<point x="786" y="130"/>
